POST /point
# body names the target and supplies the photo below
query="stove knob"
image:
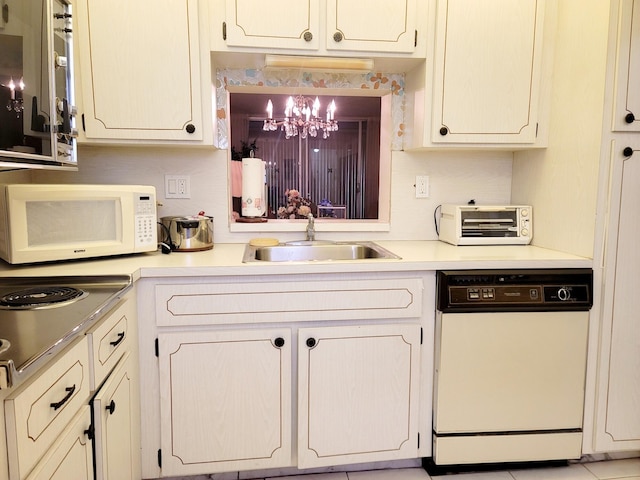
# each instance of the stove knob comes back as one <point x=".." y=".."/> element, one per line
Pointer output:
<point x="564" y="294"/>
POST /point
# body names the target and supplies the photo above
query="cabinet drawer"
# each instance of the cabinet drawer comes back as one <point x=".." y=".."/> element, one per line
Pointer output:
<point x="199" y="304"/>
<point x="40" y="410"/>
<point x="110" y="339"/>
<point x="71" y="456"/>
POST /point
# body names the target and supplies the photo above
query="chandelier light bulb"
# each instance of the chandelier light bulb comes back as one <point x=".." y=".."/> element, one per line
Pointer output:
<point x="12" y="87"/>
<point x="269" y="110"/>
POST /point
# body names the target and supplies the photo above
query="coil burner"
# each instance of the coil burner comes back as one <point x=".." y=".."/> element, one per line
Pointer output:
<point x="41" y="297"/>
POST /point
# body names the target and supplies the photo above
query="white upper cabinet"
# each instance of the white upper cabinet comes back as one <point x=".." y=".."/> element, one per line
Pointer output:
<point x="627" y="94"/>
<point x="380" y="26"/>
<point x="318" y="26"/>
<point x="273" y="24"/>
<point x="482" y="85"/>
<point x="140" y="69"/>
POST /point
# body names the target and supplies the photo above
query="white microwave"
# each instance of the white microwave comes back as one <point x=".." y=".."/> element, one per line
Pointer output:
<point x="43" y="223"/>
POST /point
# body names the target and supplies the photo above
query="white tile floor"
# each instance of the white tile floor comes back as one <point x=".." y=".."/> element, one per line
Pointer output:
<point x="628" y="469"/>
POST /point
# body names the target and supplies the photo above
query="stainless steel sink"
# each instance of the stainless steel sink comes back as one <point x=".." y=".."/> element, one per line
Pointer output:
<point x="318" y="251"/>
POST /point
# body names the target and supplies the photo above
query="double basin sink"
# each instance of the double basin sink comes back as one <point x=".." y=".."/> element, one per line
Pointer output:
<point x="316" y="251"/>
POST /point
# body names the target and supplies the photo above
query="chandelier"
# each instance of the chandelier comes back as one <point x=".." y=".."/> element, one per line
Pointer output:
<point x="301" y="117"/>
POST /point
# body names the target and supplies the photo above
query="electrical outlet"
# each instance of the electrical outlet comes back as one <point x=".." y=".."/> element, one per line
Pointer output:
<point x="422" y="186"/>
<point x="177" y="186"/>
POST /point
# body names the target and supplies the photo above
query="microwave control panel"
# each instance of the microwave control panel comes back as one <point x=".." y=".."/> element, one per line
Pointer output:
<point x="146" y="233"/>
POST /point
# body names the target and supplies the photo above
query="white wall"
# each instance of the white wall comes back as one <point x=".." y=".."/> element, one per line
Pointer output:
<point x="455" y="178"/>
<point x="561" y="180"/>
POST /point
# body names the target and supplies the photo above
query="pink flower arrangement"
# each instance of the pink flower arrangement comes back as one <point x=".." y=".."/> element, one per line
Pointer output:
<point x="297" y="206"/>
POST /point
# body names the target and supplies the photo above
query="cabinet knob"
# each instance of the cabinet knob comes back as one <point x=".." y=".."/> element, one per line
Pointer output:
<point x="337" y="37"/>
<point x="279" y="342"/>
<point x="308" y="36"/>
<point x="190" y="128"/>
<point x="111" y="407"/>
<point x="444" y="131"/>
<point x="90" y="432"/>
<point x="311" y="342"/>
<point x="627" y="152"/>
<point x="629" y="118"/>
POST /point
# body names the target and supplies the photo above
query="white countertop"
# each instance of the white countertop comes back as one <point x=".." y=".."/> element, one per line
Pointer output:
<point x="226" y="259"/>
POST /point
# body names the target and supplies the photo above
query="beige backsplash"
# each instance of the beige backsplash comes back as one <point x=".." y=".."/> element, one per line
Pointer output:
<point x="455" y="177"/>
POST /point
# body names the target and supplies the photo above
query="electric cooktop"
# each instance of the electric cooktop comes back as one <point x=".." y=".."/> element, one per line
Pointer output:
<point x="40" y="315"/>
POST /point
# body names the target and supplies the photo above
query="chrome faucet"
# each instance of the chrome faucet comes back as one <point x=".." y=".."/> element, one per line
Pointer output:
<point x="311" y="229"/>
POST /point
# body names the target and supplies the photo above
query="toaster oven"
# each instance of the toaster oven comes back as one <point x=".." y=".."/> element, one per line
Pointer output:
<point x="486" y="225"/>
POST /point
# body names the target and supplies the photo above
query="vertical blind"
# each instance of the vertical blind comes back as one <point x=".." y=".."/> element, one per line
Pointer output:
<point x="342" y="169"/>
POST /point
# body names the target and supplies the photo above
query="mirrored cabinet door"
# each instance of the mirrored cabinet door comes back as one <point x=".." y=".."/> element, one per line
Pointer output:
<point x="36" y="98"/>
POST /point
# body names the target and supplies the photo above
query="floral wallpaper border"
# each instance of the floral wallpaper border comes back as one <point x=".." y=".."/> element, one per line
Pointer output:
<point x="290" y="78"/>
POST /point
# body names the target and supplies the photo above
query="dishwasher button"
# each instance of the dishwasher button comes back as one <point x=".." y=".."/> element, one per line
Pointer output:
<point x="473" y="293"/>
<point x="488" y="294"/>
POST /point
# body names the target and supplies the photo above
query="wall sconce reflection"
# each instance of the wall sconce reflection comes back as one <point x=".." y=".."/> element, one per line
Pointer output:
<point x="15" y="103"/>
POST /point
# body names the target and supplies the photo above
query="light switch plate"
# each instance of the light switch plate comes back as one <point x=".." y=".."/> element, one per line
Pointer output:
<point x="422" y="186"/>
<point x="177" y="186"/>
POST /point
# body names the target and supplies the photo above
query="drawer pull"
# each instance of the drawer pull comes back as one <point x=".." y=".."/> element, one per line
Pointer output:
<point x="111" y="407"/>
<point x="69" y="390"/>
<point x="116" y="342"/>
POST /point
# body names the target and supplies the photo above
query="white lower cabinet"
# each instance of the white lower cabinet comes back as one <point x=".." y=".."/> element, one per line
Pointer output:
<point x="357" y="394"/>
<point x="284" y="372"/>
<point x="71" y="458"/>
<point x="117" y="437"/>
<point x="619" y="389"/>
<point x="115" y="397"/>
<point x="225" y="400"/>
<point x="39" y="411"/>
<point x="226" y="397"/>
<point x="82" y="409"/>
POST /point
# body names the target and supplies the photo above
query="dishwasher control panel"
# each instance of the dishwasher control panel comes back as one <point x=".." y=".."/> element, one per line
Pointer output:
<point x="546" y="289"/>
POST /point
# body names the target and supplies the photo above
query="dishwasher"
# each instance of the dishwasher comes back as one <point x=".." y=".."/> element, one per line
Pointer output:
<point x="510" y="365"/>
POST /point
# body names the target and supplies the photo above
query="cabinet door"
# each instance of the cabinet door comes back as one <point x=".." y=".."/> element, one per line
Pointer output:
<point x="273" y="24"/>
<point x="627" y="100"/>
<point x="117" y="430"/>
<point x="487" y="71"/>
<point x="621" y="329"/>
<point x="140" y="69"/>
<point x="225" y="400"/>
<point x="381" y="26"/>
<point x="70" y="458"/>
<point x="358" y="394"/>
